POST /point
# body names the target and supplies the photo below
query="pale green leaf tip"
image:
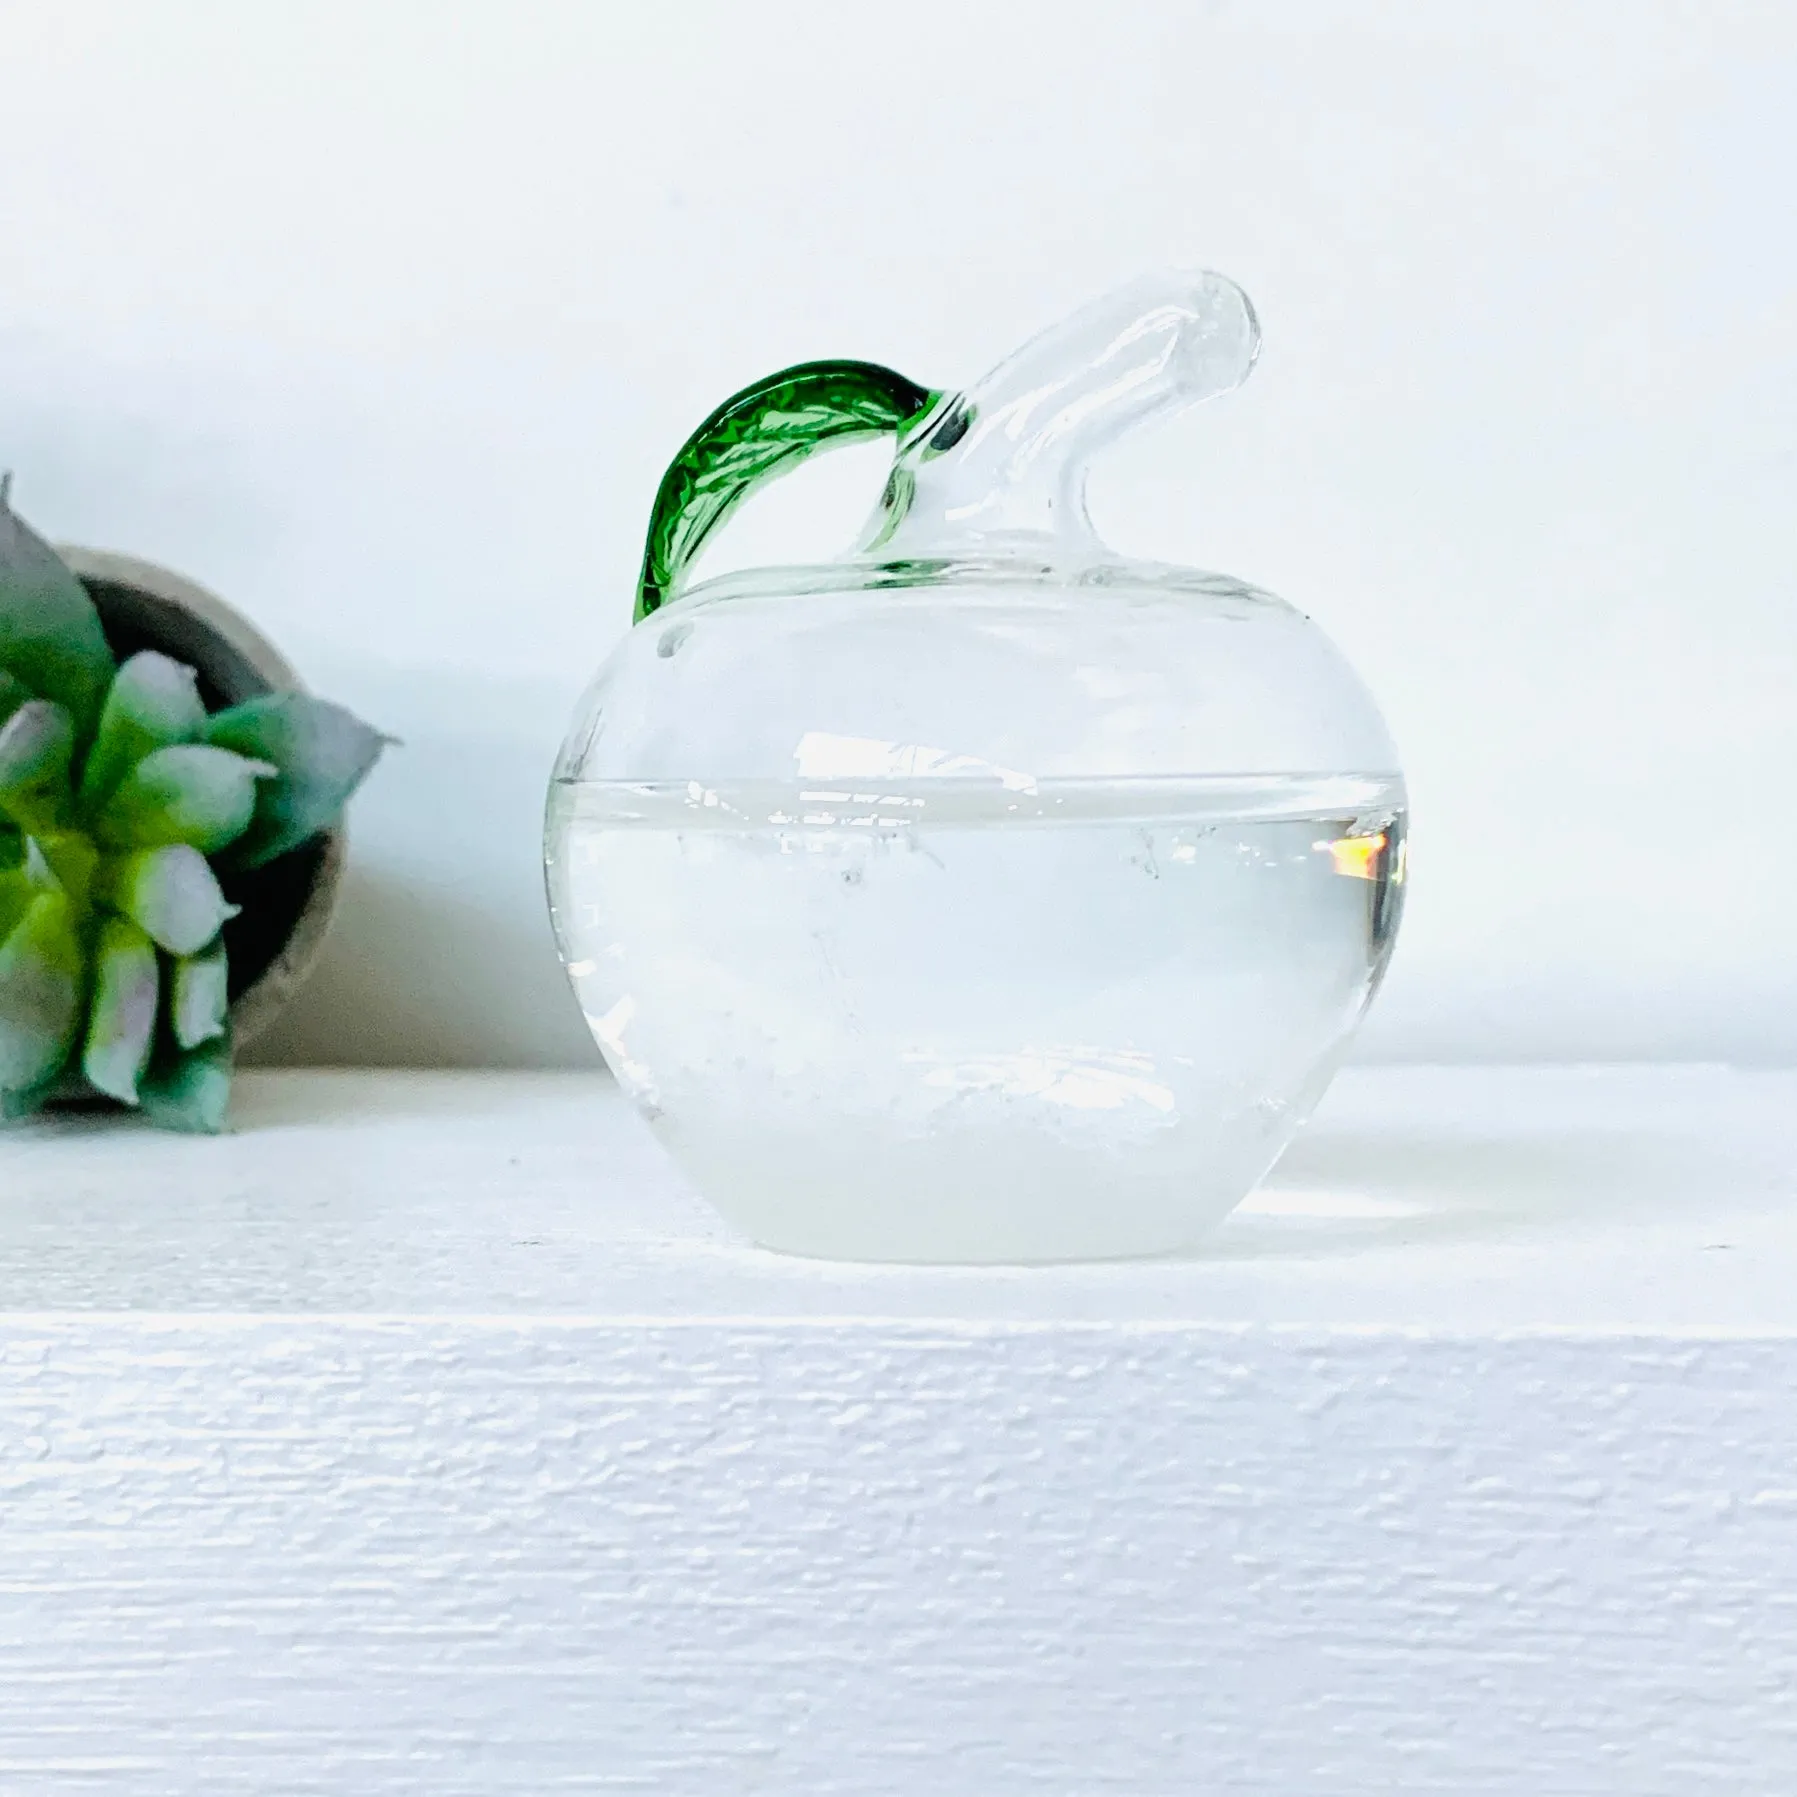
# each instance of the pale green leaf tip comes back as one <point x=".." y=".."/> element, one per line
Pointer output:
<point x="40" y="994"/>
<point x="200" y="1001"/>
<point x="122" y="1016"/>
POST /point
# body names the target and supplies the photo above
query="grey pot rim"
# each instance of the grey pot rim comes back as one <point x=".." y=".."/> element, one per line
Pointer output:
<point x="221" y="624"/>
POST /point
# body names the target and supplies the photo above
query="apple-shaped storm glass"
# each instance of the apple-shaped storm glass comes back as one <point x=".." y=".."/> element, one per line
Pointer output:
<point x="983" y="895"/>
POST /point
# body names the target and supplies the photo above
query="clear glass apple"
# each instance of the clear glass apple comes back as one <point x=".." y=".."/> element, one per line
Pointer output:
<point x="983" y="895"/>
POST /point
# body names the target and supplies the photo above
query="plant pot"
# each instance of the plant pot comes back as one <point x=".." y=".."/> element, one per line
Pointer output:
<point x="287" y="905"/>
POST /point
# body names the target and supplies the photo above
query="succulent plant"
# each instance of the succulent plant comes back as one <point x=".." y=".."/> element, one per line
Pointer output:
<point x="122" y="803"/>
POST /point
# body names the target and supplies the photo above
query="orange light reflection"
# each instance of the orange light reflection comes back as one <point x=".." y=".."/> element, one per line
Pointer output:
<point x="1357" y="857"/>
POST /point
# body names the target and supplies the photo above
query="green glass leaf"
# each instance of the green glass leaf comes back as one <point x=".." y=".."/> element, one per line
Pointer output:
<point x="37" y="743"/>
<point x="12" y="847"/>
<point x="189" y="1089"/>
<point x="200" y="998"/>
<point x="154" y="703"/>
<point x="755" y="435"/>
<point x="122" y="1017"/>
<point x="170" y="892"/>
<point x="323" y="753"/>
<point x="190" y="793"/>
<point x="40" y="994"/>
<point x="50" y="635"/>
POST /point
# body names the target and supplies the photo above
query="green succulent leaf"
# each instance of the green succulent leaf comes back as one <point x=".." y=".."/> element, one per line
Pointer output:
<point x="37" y="744"/>
<point x="40" y="994"/>
<point x="13" y="694"/>
<point x="17" y="891"/>
<point x="189" y="1089"/>
<point x="66" y="1083"/>
<point x="50" y="635"/>
<point x="115" y="789"/>
<point x="122" y="1017"/>
<point x="15" y="1106"/>
<point x="190" y="793"/>
<point x="153" y="704"/>
<point x="323" y="753"/>
<point x="200" y="998"/>
<point x="68" y="859"/>
<point x="170" y="892"/>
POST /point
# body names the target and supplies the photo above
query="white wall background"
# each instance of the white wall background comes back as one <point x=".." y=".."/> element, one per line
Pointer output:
<point x="383" y="319"/>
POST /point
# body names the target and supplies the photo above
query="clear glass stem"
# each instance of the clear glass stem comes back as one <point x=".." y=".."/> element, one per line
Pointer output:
<point x="1005" y="463"/>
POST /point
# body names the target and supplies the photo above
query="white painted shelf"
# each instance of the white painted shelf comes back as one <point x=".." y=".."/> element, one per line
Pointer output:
<point x="427" y="1436"/>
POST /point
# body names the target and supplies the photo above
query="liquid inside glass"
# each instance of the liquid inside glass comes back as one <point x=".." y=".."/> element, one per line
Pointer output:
<point x="975" y="1021"/>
